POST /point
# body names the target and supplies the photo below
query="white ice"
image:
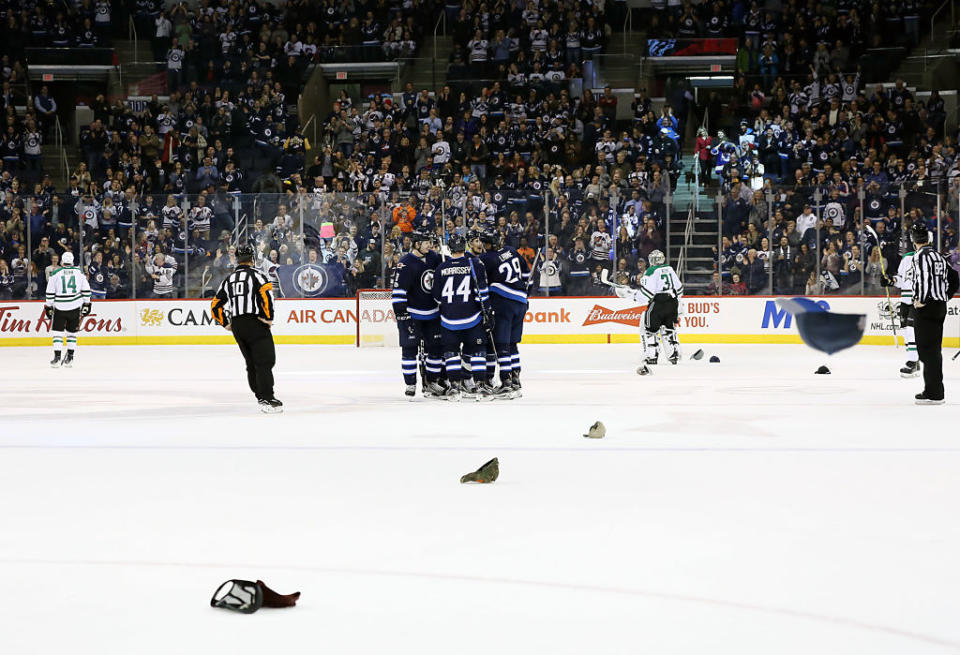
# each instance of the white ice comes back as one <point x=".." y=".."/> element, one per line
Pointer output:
<point x="743" y="507"/>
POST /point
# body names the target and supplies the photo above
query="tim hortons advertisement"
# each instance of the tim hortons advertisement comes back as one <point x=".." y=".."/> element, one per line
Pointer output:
<point x="548" y="320"/>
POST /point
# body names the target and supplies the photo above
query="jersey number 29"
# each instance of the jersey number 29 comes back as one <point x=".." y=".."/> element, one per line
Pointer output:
<point x="463" y="290"/>
<point x="510" y="270"/>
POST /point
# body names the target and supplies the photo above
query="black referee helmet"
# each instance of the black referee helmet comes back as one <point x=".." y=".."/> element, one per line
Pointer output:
<point x="245" y="253"/>
<point x="919" y="234"/>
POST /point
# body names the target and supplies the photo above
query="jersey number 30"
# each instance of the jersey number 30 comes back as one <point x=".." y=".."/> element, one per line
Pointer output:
<point x="463" y="290"/>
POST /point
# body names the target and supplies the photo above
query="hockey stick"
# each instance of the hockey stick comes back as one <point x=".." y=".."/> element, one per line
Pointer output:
<point x="886" y="290"/>
<point x="605" y="278"/>
<point x="483" y="309"/>
<point x="533" y="268"/>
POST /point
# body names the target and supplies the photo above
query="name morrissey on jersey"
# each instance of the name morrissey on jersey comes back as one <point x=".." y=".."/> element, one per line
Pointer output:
<point x="456" y="270"/>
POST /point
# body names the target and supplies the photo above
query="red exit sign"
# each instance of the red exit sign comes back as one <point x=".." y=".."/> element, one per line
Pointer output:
<point x="714" y="68"/>
<point x="341" y="75"/>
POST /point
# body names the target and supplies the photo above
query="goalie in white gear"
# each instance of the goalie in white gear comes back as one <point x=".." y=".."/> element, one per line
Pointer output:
<point x="661" y="290"/>
<point x="68" y="301"/>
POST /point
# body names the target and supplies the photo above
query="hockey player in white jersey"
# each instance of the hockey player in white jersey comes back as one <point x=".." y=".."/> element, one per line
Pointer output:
<point x="903" y="280"/>
<point x="661" y="290"/>
<point x="68" y="300"/>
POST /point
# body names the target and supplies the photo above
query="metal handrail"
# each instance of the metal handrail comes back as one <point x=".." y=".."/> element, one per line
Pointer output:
<point x="303" y="130"/>
<point x="132" y="35"/>
<point x="687" y="236"/>
<point x="441" y="20"/>
<point x="933" y="16"/>
<point x="627" y="25"/>
<point x="63" y="150"/>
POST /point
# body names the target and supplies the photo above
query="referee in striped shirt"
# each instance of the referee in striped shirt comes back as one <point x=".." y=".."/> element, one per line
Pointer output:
<point x="931" y="273"/>
<point x="244" y="305"/>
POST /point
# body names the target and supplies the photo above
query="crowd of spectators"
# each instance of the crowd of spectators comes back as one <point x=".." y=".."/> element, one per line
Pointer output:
<point x="198" y="40"/>
<point x="802" y="126"/>
<point x="161" y="189"/>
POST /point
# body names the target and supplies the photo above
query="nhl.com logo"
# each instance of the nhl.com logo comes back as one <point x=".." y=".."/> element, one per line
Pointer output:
<point x="310" y="279"/>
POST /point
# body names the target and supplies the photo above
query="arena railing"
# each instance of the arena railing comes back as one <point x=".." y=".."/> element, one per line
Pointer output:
<point x="856" y="222"/>
<point x="333" y="232"/>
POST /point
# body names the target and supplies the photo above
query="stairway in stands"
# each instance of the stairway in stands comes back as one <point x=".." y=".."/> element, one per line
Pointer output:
<point x="698" y="258"/>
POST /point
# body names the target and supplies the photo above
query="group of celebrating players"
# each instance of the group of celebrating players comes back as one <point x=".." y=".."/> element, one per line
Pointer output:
<point x="460" y="317"/>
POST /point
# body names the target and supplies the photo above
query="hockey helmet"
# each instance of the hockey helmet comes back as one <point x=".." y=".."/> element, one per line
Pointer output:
<point x="919" y="233"/>
<point x="67" y="258"/>
<point x="456" y="243"/>
<point x="421" y="235"/>
<point x="245" y="253"/>
<point x="490" y="236"/>
<point x="656" y="258"/>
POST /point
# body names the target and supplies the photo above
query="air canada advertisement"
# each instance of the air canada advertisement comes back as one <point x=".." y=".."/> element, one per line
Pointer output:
<point x="610" y="319"/>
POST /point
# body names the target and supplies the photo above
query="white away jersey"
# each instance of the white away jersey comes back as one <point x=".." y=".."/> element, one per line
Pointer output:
<point x="905" y="279"/>
<point x="659" y="280"/>
<point x="67" y="288"/>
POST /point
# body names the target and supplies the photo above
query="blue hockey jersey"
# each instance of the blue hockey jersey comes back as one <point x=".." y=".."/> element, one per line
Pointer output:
<point x="413" y="287"/>
<point x="458" y="296"/>
<point x="507" y="273"/>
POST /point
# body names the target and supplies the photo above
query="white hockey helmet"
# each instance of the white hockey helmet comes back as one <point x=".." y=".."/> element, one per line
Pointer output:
<point x="656" y="258"/>
<point x="67" y="258"/>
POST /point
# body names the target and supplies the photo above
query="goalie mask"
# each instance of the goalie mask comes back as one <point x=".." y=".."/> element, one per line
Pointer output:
<point x="657" y="258"/>
<point x="238" y="595"/>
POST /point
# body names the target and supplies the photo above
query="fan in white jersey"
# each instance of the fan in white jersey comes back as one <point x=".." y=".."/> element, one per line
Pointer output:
<point x="903" y="280"/>
<point x="661" y="290"/>
<point x="68" y="300"/>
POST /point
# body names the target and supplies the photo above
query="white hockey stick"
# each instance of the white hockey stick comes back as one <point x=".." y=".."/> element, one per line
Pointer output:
<point x="605" y="278"/>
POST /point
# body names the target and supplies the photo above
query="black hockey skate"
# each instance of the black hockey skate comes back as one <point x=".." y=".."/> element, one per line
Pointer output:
<point x="910" y="370"/>
<point x="271" y="406"/>
<point x="410" y="391"/>
<point x="674" y="358"/>
<point x="486" y="392"/>
<point x="55" y="362"/>
<point x="650" y="361"/>
<point x="68" y="360"/>
<point x="924" y="399"/>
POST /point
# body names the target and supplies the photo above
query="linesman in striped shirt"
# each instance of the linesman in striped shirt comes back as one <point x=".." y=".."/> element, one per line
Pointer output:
<point x="244" y="305"/>
<point x="934" y="283"/>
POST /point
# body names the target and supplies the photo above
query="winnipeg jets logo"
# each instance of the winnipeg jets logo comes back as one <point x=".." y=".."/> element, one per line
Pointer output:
<point x="310" y="279"/>
<point x="426" y="282"/>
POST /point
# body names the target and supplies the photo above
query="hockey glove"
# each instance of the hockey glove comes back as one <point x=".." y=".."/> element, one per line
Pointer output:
<point x="85" y="309"/>
<point x="886" y="281"/>
<point x="624" y="292"/>
<point x="48" y="310"/>
<point x="403" y="321"/>
<point x="488" y="318"/>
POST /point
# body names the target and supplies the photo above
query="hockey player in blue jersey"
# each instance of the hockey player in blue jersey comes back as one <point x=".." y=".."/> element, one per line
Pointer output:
<point x="508" y="274"/>
<point x="418" y="316"/>
<point x="460" y="288"/>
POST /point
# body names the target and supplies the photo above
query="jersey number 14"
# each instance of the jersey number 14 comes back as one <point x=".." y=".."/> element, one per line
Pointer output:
<point x="69" y="282"/>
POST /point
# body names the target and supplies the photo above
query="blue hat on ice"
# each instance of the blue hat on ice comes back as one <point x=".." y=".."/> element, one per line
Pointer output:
<point x="825" y="331"/>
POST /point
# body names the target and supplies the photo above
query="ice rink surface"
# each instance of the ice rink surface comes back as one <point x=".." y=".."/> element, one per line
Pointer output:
<point x="743" y="507"/>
